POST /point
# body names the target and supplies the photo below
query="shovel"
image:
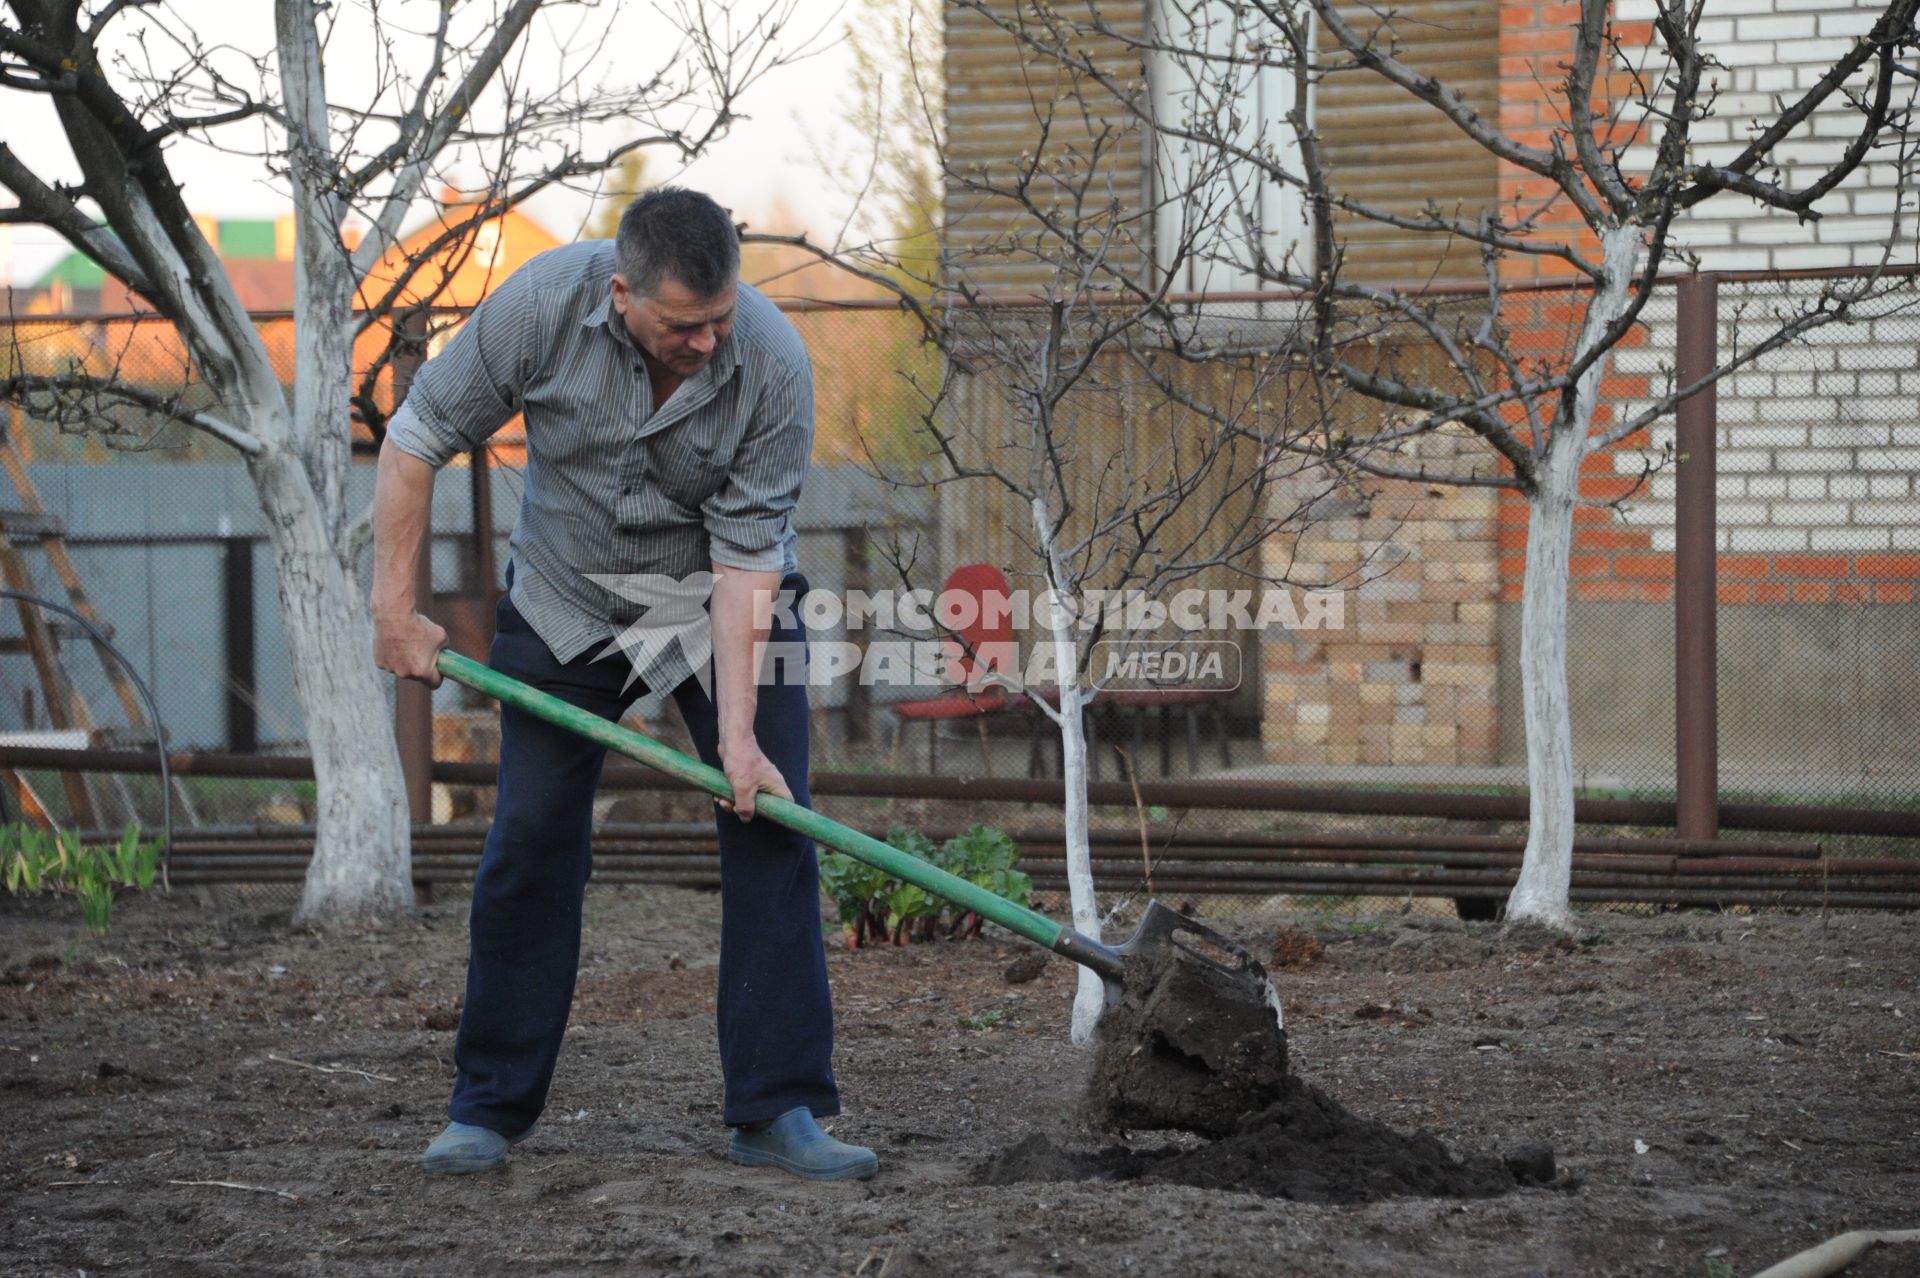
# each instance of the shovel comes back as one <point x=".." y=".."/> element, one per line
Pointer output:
<point x="1164" y="936"/>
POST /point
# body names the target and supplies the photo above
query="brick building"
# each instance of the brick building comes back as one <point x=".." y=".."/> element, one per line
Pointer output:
<point x="1818" y="517"/>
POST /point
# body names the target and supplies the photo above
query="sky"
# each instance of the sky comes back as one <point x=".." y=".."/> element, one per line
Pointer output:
<point x="765" y="162"/>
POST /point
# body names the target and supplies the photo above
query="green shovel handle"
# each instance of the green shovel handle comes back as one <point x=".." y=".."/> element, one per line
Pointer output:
<point x="1031" y="924"/>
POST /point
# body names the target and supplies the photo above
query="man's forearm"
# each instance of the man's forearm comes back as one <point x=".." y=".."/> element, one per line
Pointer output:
<point x="402" y="500"/>
<point x="742" y="613"/>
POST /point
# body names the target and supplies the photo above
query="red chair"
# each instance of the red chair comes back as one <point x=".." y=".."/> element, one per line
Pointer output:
<point x="984" y="645"/>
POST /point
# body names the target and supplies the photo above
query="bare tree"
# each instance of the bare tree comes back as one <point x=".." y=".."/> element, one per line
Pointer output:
<point x="1608" y="179"/>
<point x="1047" y="417"/>
<point x="453" y="93"/>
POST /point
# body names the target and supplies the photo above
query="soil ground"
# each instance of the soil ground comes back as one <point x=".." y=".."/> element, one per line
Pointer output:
<point x="1720" y="1091"/>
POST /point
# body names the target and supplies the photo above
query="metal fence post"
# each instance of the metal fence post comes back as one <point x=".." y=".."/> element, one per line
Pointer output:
<point x="480" y="475"/>
<point x="1695" y="590"/>
<point x="413" y="701"/>
<point x="859" y="712"/>
<point x="242" y="681"/>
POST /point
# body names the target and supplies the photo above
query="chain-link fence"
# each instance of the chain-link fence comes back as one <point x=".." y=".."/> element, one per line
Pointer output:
<point x="1817" y="530"/>
<point x="1365" y="641"/>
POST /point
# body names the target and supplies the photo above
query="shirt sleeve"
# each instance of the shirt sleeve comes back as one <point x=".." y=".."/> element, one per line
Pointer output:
<point x="473" y="387"/>
<point x="749" y="521"/>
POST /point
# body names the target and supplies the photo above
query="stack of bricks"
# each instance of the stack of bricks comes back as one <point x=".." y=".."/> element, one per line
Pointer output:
<point x="1412" y="678"/>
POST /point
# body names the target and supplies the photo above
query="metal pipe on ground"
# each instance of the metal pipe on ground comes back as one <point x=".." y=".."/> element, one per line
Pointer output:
<point x="1043" y="836"/>
<point x="1237" y="795"/>
<point x="1223" y="844"/>
<point x="1201" y="888"/>
<point x="1438" y="879"/>
<point x="1210" y="860"/>
<point x="1117" y="857"/>
<point x="1676" y="896"/>
<point x="1123" y="873"/>
<point x="1419" y="841"/>
<point x="1227" y="847"/>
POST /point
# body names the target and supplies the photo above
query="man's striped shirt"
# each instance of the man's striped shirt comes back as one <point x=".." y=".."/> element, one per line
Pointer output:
<point x="615" y="485"/>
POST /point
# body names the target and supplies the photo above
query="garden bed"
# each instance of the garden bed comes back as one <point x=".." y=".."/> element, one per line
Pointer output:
<point x="1719" y="1091"/>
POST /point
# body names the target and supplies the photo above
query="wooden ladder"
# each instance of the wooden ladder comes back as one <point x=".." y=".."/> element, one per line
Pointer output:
<point x="28" y="524"/>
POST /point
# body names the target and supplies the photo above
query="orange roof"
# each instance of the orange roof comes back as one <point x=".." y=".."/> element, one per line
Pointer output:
<point x="457" y="275"/>
<point x="463" y="273"/>
<point x="150" y="350"/>
<point x="262" y="285"/>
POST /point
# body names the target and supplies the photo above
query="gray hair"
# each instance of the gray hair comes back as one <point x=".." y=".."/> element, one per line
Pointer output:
<point x="671" y="231"/>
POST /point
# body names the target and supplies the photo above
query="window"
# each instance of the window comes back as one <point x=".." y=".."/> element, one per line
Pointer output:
<point x="1219" y="216"/>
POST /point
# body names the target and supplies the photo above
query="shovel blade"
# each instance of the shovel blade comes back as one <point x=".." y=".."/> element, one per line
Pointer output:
<point x="1166" y="936"/>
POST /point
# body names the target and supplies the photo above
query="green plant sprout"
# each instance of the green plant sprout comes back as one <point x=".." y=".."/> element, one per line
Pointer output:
<point x="34" y="860"/>
<point x="876" y="908"/>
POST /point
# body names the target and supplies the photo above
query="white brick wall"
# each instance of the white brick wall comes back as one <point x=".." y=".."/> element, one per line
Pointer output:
<point x="1819" y="446"/>
<point x="1818" y="449"/>
<point x="1768" y="48"/>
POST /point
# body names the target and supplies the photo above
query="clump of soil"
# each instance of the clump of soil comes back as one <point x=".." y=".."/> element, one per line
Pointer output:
<point x="1028" y="967"/>
<point x="1189" y="1046"/>
<point x="1196" y="1047"/>
<point x="1305" y="1146"/>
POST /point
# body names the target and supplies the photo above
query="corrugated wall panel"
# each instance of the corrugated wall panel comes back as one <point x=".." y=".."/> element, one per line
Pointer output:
<point x="995" y="108"/>
<point x="1390" y="151"/>
<point x="1383" y="148"/>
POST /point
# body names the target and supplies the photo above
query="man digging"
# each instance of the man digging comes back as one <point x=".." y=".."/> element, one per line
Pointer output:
<point x="669" y="426"/>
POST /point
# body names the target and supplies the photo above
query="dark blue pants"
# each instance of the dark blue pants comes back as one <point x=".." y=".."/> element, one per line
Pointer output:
<point x="775" y="1015"/>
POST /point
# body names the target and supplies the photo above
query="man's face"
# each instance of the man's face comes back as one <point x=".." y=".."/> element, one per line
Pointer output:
<point x="679" y="328"/>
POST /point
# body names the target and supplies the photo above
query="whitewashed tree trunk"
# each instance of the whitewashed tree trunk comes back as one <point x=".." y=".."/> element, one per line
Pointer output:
<point x="1546" y="868"/>
<point x="1543" y="892"/>
<point x="361" y="867"/>
<point x="1089" y="999"/>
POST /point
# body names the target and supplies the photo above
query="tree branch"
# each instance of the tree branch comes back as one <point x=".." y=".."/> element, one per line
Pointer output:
<point x="422" y="140"/>
<point x="1894" y="30"/>
<point x="1589" y="40"/>
<point x="111" y="10"/>
<point x="42" y="204"/>
<point x="72" y="393"/>
<point x="413" y="120"/>
<point x="188" y="123"/>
